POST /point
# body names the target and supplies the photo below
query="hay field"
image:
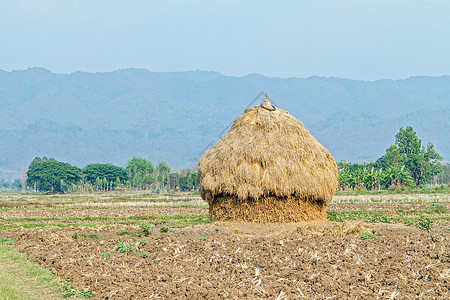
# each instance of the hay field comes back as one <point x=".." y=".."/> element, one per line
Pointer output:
<point x="142" y="246"/>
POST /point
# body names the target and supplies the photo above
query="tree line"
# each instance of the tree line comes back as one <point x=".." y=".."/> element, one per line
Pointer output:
<point x="405" y="164"/>
<point x="48" y="174"/>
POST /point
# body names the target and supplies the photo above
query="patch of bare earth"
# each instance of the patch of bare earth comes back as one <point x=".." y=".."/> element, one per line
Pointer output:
<point x="233" y="260"/>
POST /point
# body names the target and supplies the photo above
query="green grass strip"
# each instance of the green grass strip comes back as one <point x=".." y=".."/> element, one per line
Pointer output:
<point x="175" y="220"/>
<point x="375" y="217"/>
<point x="22" y="279"/>
<point x="72" y="207"/>
<point x="164" y="217"/>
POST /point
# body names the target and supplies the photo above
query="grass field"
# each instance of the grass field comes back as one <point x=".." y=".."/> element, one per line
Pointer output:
<point x="139" y="245"/>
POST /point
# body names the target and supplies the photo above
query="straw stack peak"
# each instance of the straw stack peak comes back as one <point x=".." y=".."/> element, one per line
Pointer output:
<point x="267" y="105"/>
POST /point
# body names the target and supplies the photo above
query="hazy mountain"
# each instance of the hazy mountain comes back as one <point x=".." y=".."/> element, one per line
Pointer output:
<point x="109" y="117"/>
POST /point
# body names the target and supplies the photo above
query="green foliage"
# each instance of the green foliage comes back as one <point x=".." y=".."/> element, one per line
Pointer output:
<point x="382" y="217"/>
<point x="76" y="235"/>
<point x="140" y="172"/>
<point x="203" y="239"/>
<point x="378" y="218"/>
<point x="143" y="242"/>
<point x="47" y="174"/>
<point x="52" y="175"/>
<point x="444" y="176"/>
<point x="405" y="164"/>
<point x="69" y="290"/>
<point x="424" y="223"/>
<point x="163" y="229"/>
<point x="367" y="235"/>
<point x="139" y="166"/>
<point x="106" y="254"/>
<point x="104" y="175"/>
<point x="146" y="227"/>
<point x="438" y="208"/>
<point x="124" y="247"/>
<point x="410" y="221"/>
<point x="368" y="216"/>
<point x="187" y="182"/>
<point x="6" y="241"/>
<point x="142" y="254"/>
<point x="163" y="168"/>
<point x="421" y="161"/>
<point x="390" y="159"/>
<point x="369" y="177"/>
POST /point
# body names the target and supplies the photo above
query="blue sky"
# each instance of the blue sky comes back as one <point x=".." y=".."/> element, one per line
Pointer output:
<point x="358" y="39"/>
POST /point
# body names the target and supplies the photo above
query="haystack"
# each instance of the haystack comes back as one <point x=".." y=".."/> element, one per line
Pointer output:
<point x="268" y="168"/>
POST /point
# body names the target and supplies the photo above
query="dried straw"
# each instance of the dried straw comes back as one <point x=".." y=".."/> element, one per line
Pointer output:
<point x="267" y="210"/>
<point x="268" y="168"/>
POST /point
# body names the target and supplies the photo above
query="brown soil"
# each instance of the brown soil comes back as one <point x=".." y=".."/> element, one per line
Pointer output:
<point x="288" y="261"/>
<point x="316" y="260"/>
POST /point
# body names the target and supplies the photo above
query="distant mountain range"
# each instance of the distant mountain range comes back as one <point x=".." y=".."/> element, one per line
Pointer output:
<point x="83" y="118"/>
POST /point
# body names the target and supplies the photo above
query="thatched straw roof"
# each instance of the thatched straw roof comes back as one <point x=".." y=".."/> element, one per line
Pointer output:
<point x="267" y="152"/>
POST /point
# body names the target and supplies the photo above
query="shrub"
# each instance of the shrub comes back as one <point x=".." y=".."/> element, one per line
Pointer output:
<point x="69" y="291"/>
<point x="146" y="228"/>
<point x="424" y="223"/>
<point x="124" y="247"/>
<point x="163" y="229"/>
<point x="142" y="242"/>
<point x="410" y="222"/>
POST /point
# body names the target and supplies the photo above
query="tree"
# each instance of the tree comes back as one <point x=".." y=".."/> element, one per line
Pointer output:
<point x="139" y="165"/>
<point x="422" y="162"/>
<point x="108" y="172"/>
<point x="187" y="182"/>
<point x="53" y="175"/>
<point x="398" y="176"/>
<point x="390" y="159"/>
<point x="163" y="172"/>
<point x="140" y="171"/>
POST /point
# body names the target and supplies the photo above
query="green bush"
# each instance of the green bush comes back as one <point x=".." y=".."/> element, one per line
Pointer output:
<point x="124" y="247"/>
<point x="424" y="223"/>
<point x="146" y="227"/>
<point x="142" y="242"/>
<point x="69" y="291"/>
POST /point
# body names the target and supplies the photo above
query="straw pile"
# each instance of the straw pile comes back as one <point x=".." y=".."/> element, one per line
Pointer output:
<point x="268" y="168"/>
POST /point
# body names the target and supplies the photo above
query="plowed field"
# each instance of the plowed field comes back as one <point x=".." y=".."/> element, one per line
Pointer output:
<point x="99" y="243"/>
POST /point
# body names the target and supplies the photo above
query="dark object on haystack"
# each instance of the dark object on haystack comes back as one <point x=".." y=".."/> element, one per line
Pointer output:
<point x="268" y="168"/>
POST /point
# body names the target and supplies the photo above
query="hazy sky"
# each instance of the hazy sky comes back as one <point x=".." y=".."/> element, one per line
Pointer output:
<point x="360" y="39"/>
